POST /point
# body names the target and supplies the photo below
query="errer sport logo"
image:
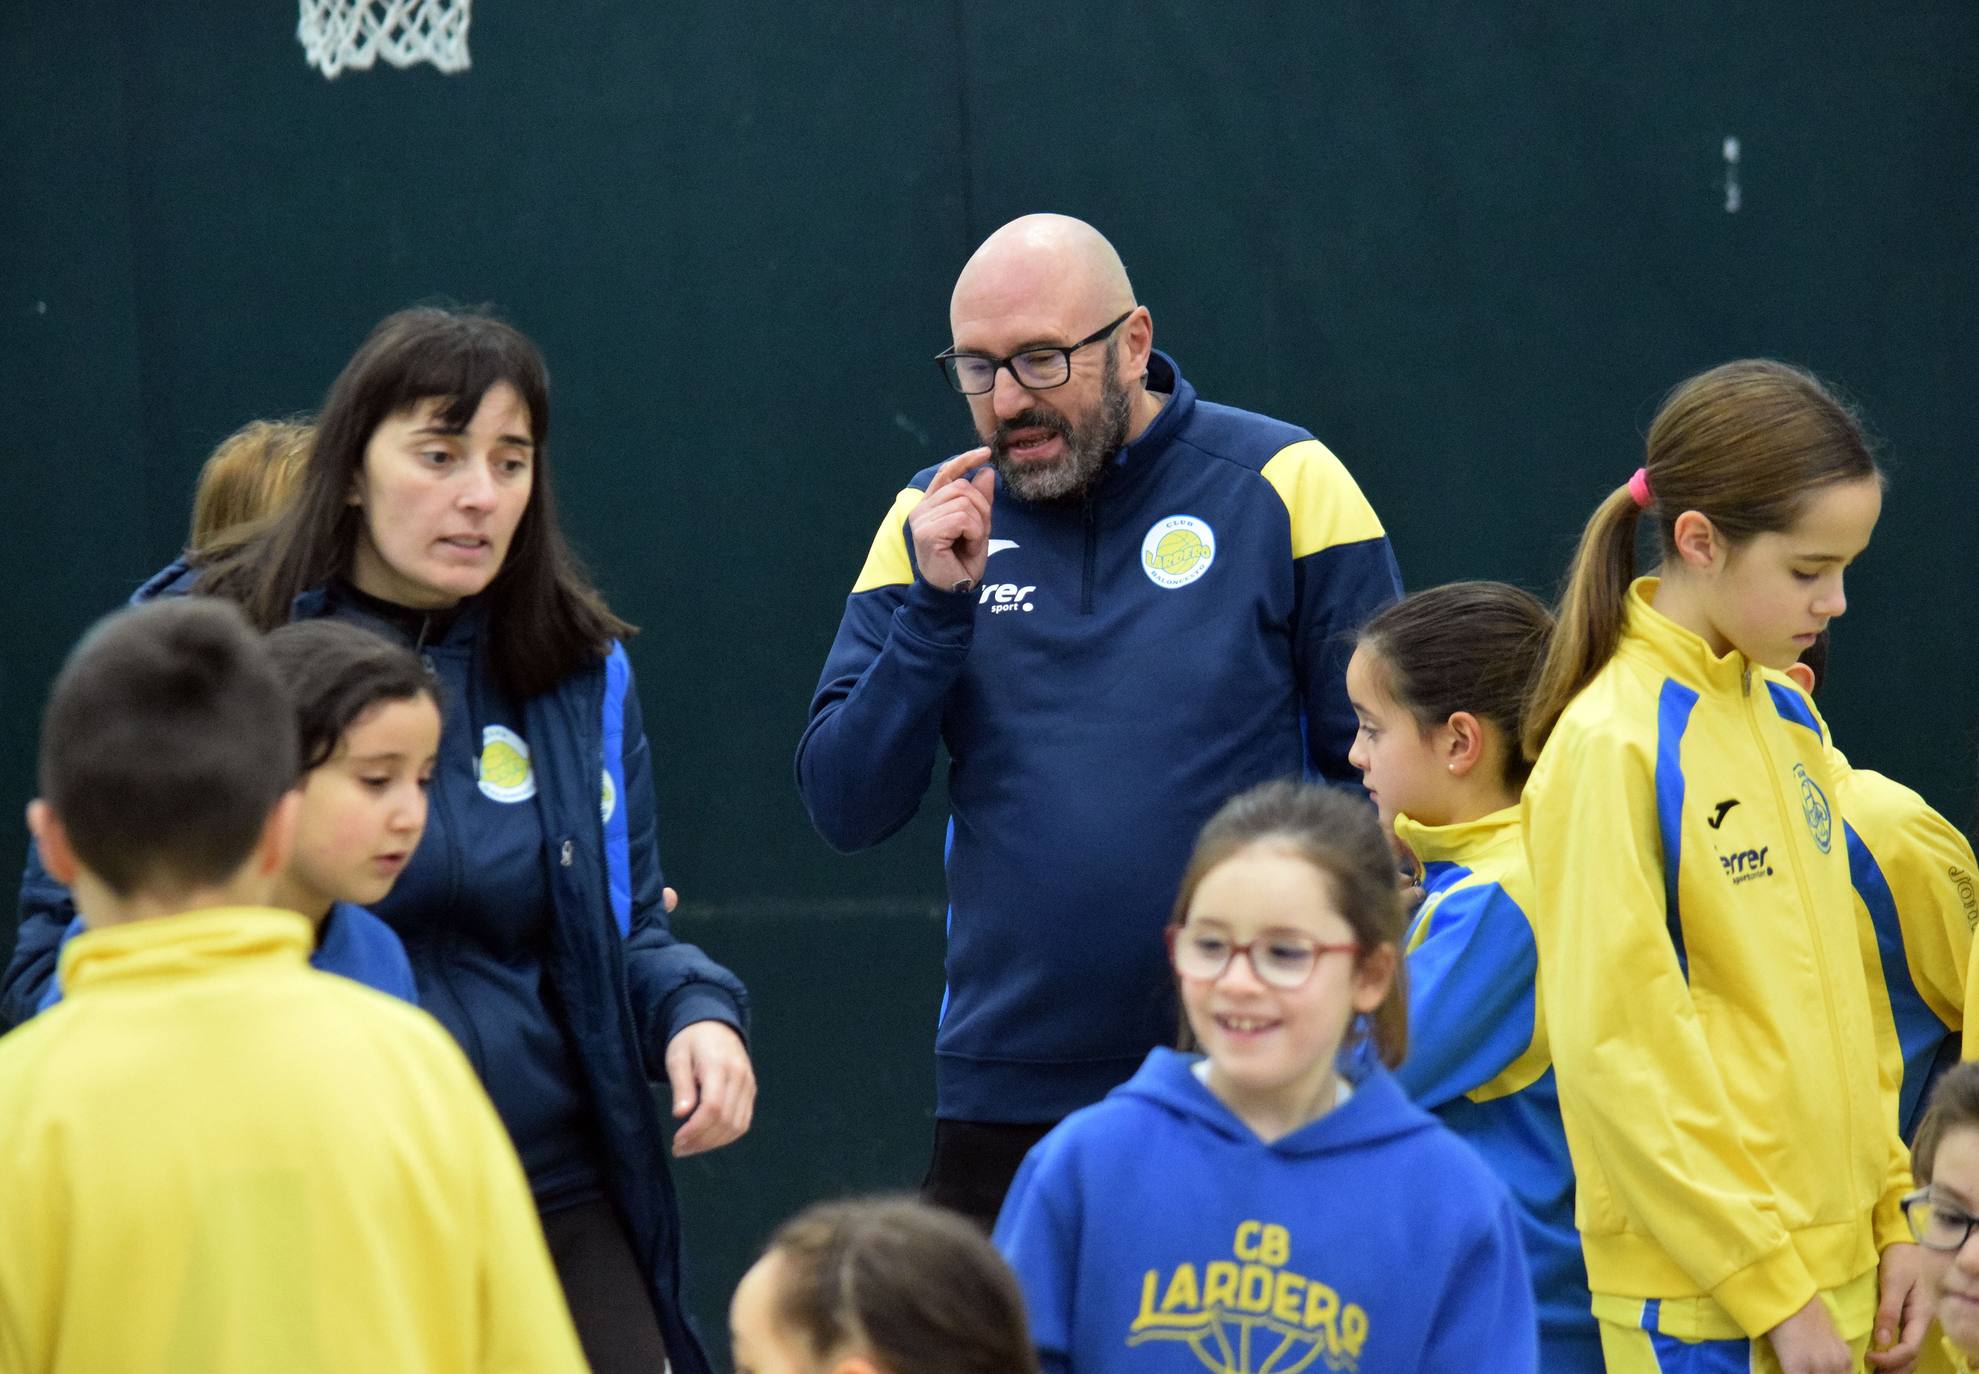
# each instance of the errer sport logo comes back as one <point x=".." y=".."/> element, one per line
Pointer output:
<point x="1006" y="596"/>
<point x="1747" y="864"/>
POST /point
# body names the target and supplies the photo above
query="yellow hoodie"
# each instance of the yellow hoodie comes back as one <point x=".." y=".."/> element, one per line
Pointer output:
<point x="215" y="1159"/>
<point x="1731" y="1127"/>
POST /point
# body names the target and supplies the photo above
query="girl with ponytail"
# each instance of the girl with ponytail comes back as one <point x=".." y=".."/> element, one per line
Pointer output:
<point x="1739" y="1171"/>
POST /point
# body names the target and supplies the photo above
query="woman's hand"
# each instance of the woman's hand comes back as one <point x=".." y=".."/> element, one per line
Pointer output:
<point x="1904" y="1314"/>
<point x="1807" y="1343"/>
<point x="709" y="1071"/>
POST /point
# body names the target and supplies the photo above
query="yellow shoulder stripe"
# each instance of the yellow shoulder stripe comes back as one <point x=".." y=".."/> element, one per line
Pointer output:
<point x="887" y="564"/>
<point x="1325" y="502"/>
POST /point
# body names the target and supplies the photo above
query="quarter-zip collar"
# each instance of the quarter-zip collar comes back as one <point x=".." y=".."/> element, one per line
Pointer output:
<point x="1462" y="842"/>
<point x="1649" y="636"/>
<point x="1135" y="458"/>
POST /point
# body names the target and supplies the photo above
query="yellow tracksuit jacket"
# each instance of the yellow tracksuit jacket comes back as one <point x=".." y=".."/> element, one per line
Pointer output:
<point x="215" y="1159"/>
<point x="1915" y="906"/>
<point x="1731" y="1125"/>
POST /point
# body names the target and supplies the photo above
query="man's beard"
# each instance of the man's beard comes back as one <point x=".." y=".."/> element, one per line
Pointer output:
<point x="1088" y="445"/>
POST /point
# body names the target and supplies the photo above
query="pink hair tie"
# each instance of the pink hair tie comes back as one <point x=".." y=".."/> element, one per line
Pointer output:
<point x="1639" y="489"/>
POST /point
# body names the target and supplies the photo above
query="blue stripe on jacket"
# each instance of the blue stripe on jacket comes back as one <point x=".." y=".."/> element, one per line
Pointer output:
<point x="1792" y="706"/>
<point x="1919" y="1031"/>
<point x="618" y="856"/>
<point x="1673" y="707"/>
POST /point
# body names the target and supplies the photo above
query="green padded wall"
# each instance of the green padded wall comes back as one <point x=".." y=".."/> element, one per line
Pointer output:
<point x="1469" y="246"/>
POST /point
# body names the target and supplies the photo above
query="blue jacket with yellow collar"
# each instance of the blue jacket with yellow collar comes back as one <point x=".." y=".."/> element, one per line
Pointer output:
<point x="1131" y="661"/>
<point x="1478" y="1055"/>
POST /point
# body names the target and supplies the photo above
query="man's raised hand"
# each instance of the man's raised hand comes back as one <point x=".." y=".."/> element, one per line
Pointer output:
<point x="951" y="526"/>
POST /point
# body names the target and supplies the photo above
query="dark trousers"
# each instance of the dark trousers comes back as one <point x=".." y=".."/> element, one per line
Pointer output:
<point x="974" y="1163"/>
<point x="606" y="1292"/>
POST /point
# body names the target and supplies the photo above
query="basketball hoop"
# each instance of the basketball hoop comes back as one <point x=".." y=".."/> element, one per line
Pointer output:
<point x="353" y="34"/>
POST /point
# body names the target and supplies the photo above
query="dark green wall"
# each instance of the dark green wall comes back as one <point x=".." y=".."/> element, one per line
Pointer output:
<point x="1468" y="246"/>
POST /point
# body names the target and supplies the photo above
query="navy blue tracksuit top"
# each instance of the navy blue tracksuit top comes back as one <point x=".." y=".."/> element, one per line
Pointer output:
<point x="1130" y="662"/>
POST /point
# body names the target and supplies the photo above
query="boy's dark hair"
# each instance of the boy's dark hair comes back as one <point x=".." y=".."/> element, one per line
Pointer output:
<point x="1464" y="646"/>
<point x="919" y="1287"/>
<point x="167" y="740"/>
<point x="1954" y="1104"/>
<point x="336" y="671"/>
<point x="1339" y="835"/>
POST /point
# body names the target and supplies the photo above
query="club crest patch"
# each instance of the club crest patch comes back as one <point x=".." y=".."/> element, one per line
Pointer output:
<point x="503" y="771"/>
<point x="1814" y="807"/>
<point x="1177" y="551"/>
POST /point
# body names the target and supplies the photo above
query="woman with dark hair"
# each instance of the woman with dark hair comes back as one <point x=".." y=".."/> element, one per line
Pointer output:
<point x="533" y="910"/>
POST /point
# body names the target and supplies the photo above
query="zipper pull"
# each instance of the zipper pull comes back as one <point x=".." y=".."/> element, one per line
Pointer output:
<point x="1745" y="679"/>
<point x="566" y="853"/>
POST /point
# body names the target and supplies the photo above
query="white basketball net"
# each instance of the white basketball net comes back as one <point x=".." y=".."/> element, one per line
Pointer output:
<point x="340" y="34"/>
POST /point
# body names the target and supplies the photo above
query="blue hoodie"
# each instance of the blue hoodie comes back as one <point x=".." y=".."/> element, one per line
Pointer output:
<point x="351" y="943"/>
<point x="1155" y="1231"/>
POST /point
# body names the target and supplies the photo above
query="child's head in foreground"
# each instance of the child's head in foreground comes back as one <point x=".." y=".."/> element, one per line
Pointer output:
<point x="1942" y="1212"/>
<point x="368" y="728"/>
<point x="168" y="752"/>
<point x="879" y="1286"/>
<point x="1286" y="932"/>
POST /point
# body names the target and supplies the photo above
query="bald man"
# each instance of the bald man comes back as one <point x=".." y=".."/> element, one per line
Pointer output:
<point x="1127" y="606"/>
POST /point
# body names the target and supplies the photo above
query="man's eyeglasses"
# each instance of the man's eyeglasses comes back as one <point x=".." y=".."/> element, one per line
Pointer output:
<point x="1281" y="958"/>
<point x="1036" y="369"/>
<point x="1935" y="1223"/>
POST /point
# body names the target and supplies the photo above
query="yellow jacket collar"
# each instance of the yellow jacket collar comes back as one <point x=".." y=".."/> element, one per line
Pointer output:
<point x="217" y="939"/>
<point x="1677" y="652"/>
<point x="1462" y="841"/>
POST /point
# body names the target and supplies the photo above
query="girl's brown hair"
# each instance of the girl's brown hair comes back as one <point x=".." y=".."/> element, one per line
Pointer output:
<point x="546" y="618"/>
<point x="1465" y="646"/>
<point x="336" y="672"/>
<point x="917" y="1288"/>
<point x="1339" y="835"/>
<point x="1746" y="444"/>
<point x="247" y="478"/>
<point x="1954" y="1104"/>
